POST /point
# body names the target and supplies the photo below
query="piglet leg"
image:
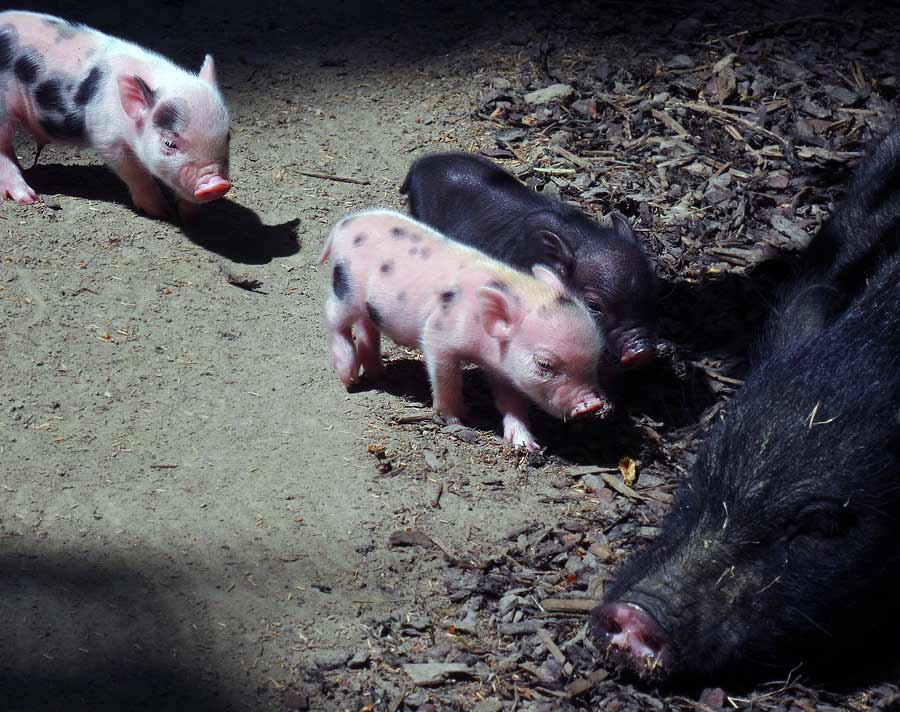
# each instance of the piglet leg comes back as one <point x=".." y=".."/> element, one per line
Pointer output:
<point x="340" y="341"/>
<point x="145" y="193"/>
<point x="12" y="184"/>
<point x="446" y="382"/>
<point x="514" y="409"/>
<point x="368" y="348"/>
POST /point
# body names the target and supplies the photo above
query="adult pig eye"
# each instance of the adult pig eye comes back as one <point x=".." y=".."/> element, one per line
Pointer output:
<point x="825" y="522"/>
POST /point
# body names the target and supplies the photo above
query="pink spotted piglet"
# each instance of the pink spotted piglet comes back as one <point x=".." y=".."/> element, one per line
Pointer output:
<point x="148" y="118"/>
<point x="396" y="276"/>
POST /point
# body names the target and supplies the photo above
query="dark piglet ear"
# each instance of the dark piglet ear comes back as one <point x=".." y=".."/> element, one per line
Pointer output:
<point x="557" y="254"/>
<point x="623" y="227"/>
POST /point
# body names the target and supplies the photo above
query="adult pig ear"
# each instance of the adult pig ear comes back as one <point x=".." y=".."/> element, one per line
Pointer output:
<point x="208" y="70"/>
<point x="623" y="227"/>
<point x="557" y="253"/>
<point x="136" y="96"/>
<point x="546" y="275"/>
<point x="500" y="317"/>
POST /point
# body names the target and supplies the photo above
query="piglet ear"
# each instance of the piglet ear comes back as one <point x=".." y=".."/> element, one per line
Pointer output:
<point x="623" y="227"/>
<point x="546" y="275"/>
<point x="557" y="253"/>
<point x="136" y="96"/>
<point x="500" y="317"/>
<point x="208" y="70"/>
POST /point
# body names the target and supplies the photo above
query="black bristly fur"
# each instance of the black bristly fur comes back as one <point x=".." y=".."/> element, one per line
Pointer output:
<point x="782" y="548"/>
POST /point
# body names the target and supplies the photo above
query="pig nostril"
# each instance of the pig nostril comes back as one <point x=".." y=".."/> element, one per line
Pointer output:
<point x="638" y="354"/>
<point x="630" y="629"/>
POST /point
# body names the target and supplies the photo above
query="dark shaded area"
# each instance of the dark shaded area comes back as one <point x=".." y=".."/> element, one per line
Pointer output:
<point x="84" y="635"/>
<point x="269" y="31"/>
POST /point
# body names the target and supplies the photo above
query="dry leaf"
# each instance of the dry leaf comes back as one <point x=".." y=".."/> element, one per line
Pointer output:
<point x="628" y="468"/>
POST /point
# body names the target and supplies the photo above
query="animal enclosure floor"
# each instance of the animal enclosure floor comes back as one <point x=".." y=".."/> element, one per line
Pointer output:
<point x="194" y="514"/>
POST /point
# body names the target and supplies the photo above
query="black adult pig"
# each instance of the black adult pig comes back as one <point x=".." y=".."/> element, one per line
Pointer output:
<point x="472" y="200"/>
<point x="785" y="545"/>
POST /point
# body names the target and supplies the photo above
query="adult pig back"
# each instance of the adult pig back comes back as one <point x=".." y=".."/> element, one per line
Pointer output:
<point x="782" y="548"/>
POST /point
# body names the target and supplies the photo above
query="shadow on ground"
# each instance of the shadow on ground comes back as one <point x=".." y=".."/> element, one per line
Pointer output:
<point x="223" y="227"/>
<point x="84" y="636"/>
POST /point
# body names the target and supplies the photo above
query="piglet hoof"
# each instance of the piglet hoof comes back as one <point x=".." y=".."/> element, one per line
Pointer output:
<point x="19" y="191"/>
<point x="446" y="419"/>
<point x="520" y="438"/>
<point x="524" y="443"/>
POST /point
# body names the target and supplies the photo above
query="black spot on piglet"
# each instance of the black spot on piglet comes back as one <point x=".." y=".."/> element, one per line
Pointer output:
<point x="7" y="47"/>
<point x="498" y="285"/>
<point x="69" y="127"/>
<point x="387" y="267"/>
<point x="26" y="67"/>
<point x="340" y="281"/>
<point x="398" y="233"/>
<point x="89" y="85"/>
<point x="564" y="301"/>
<point x="374" y="314"/>
<point x="171" y="116"/>
<point x="360" y="239"/>
<point x="448" y="297"/>
<point x="49" y="96"/>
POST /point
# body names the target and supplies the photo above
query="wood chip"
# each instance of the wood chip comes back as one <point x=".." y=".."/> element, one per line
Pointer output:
<point x="583" y="684"/>
<point x="551" y="646"/>
<point x="569" y="605"/>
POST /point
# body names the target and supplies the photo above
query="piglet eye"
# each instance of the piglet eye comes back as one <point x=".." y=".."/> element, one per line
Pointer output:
<point x="544" y="364"/>
<point x="169" y="143"/>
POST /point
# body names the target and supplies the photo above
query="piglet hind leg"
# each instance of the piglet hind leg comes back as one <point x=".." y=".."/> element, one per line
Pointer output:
<point x="514" y="409"/>
<point x="340" y="341"/>
<point x="12" y="183"/>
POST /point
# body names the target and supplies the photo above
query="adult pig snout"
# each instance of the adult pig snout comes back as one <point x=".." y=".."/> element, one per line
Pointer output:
<point x="630" y="629"/>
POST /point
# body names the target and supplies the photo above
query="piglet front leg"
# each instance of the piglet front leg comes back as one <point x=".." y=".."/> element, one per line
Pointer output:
<point x="445" y="375"/>
<point x="145" y="193"/>
<point x="514" y="409"/>
<point x="12" y="184"/>
<point x="446" y="387"/>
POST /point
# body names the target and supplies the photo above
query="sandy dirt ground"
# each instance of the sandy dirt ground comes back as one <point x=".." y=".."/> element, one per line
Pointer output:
<point x="191" y="513"/>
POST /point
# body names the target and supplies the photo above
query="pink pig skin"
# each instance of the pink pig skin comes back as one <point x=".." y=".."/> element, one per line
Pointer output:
<point x="146" y="117"/>
<point x="396" y="276"/>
